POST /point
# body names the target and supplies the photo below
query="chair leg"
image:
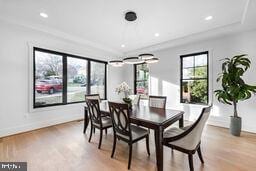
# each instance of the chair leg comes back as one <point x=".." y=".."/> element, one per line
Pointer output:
<point x="100" y="139"/>
<point x="190" y="159"/>
<point x="114" y="147"/>
<point x="147" y="144"/>
<point x="106" y="131"/>
<point x="130" y="156"/>
<point x="94" y="130"/>
<point x="90" y="133"/>
<point x="200" y="154"/>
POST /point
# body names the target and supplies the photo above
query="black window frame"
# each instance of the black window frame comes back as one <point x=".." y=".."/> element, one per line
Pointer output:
<point x="65" y="56"/>
<point x="194" y="79"/>
<point x="135" y="77"/>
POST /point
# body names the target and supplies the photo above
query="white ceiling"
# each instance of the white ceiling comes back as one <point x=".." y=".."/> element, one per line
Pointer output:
<point x="101" y="23"/>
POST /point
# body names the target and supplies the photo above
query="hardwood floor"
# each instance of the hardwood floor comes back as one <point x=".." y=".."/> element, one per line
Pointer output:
<point x="65" y="148"/>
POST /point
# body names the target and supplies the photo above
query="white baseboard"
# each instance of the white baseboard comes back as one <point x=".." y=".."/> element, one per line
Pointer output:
<point x="37" y="125"/>
<point x="215" y="121"/>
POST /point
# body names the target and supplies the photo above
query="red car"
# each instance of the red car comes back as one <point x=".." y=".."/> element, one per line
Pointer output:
<point x="48" y="86"/>
<point x="140" y="90"/>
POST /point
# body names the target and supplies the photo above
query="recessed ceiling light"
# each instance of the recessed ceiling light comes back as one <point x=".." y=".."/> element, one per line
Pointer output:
<point x="44" y="15"/>
<point x="156" y="34"/>
<point x="122" y="45"/>
<point x="208" y="18"/>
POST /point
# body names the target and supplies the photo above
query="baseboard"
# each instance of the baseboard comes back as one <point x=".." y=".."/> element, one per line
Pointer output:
<point x="217" y="121"/>
<point x="37" y="125"/>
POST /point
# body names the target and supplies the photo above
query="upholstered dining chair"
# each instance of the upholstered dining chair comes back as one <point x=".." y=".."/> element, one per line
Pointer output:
<point x="97" y="121"/>
<point x="93" y="96"/>
<point x="124" y="130"/>
<point x="135" y="99"/>
<point x="157" y="101"/>
<point x="96" y="97"/>
<point x="188" y="139"/>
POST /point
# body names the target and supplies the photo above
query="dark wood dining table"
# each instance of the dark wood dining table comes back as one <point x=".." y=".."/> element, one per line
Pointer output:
<point x="154" y="118"/>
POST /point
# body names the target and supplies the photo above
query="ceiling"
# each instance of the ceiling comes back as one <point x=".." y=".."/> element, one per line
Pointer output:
<point x="100" y="23"/>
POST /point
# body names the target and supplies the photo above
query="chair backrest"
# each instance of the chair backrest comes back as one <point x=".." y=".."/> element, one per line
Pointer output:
<point x="192" y="136"/>
<point x="94" y="110"/>
<point x="120" y="117"/>
<point x="135" y="99"/>
<point x="157" y="101"/>
<point x="93" y="96"/>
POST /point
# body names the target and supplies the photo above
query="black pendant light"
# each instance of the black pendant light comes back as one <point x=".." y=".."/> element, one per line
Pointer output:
<point x="142" y="58"/>
<point x="116" y="63"/>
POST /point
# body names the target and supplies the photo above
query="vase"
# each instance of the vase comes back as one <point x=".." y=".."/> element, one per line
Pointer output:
<point x="128" y="101"/>
<point x="235" y="125"/>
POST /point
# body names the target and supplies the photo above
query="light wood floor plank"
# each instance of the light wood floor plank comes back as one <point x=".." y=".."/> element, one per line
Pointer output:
<point x="65" y="148"/>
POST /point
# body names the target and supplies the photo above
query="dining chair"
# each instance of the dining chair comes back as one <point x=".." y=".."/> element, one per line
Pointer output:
<point x="97" y="121"/>
<point x="93" y="96"/>
<point x="135" y="99"/>
<point x="124" y="130"/>
<point x="188" y="139"/>
<point x="157" y="101"/>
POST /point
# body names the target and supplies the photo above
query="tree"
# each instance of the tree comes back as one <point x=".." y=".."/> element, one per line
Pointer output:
<point x="48" y="65"/>
<point x="198" y="88"/>
<point x="234" y="88"/>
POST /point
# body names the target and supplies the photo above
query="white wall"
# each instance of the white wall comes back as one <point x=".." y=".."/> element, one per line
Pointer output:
<point x="14" y="73"/>
<point x="165" y="76"/>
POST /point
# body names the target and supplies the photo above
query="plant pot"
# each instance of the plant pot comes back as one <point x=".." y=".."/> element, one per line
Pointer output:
<point x="128" y="101"/>
<point x="235" y="125"/>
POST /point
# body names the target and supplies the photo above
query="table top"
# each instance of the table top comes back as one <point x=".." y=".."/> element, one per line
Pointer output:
<point x="157" y="116"/>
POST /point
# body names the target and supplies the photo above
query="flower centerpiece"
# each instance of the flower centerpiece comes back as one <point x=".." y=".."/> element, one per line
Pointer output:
<point x="125" y="89"/>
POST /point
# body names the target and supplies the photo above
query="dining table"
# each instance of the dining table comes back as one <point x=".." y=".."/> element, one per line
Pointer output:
<point x="153" y="118"/>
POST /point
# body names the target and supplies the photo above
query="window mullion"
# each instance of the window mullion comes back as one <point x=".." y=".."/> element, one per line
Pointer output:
<point x="64" y="80"/>
<point x="105" y="83"/>
<point x="88" y="88"/>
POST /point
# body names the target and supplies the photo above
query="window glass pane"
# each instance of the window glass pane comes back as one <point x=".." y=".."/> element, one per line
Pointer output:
<point x="76" y="79"/>
<point x="201" y="60"/>
<point x="188" y="62"/>
<point x="194" y="91"/>
<point x="200" y="72"/>
<point x="188" y="73"/>
<point x="142" y="75"/>
<point x="98" y="79"/>
<point x="48" y="78"/>
<point x="142" y="87"/>
<point x="142" y="72"/>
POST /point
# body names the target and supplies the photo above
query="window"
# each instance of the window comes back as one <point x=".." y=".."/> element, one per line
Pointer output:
<point x="98" y="76"/>
<point x="77" y="73"/>
<point x="141" y="79"/>
<point x="61" y="78"/>
<point x="194" y="78"/>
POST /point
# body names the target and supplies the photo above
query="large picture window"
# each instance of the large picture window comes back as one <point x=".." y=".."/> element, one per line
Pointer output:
<point x="141" y="79"/>
<point x="194" y="78"/>
<point x="61" y="78"/>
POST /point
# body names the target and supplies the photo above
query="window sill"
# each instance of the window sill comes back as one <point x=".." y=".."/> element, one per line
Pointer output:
<point x="58" y="107"/>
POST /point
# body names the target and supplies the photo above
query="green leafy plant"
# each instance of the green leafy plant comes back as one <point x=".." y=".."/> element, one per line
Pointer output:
<point x="234" y="88"/>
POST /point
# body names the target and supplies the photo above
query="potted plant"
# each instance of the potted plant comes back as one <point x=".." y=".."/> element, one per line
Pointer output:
<point x="124" y="88"/>
<point x="234" y="88"/>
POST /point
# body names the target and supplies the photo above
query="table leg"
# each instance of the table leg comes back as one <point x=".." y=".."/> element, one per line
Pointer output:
<point x="159" y="148"/>
<point x="181" y="122"/>
<point x="86" y="119"/>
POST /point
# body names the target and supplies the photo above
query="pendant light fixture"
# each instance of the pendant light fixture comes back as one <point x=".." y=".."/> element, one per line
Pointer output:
<point x="149" y="58"/>
<point x="146" y="56"/>
<point x="152" y="60"/>
<point x="116" y="63"/>
<point x="133" y="60"/>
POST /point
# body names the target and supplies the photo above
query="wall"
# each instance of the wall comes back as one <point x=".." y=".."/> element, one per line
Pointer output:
<point x="14" y="73"/>
<point x="165" y="77"/>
